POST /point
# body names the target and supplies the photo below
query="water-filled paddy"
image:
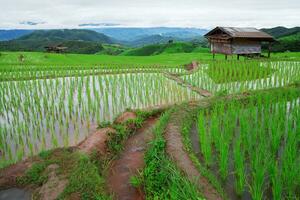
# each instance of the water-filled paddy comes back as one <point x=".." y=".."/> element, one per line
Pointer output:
<point x="47" y="113"/>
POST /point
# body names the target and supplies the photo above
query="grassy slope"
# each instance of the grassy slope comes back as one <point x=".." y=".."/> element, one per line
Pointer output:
<point x="291" y="38"/>
<point x="156" y="49"/>
<point x="35" y="58"/>
<point x="112" y="49"/>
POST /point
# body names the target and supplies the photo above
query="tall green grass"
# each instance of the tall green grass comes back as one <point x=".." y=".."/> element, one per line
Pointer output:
<point x="263" y="133"/>
<point x="161" y="178"/>
<point x="242" y="76"/>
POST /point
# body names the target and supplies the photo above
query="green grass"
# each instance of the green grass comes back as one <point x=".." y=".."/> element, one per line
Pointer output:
<point x="85" y="180"/>
<point x="35" y="175"/>
<point x="225" y="72"/>
<point x="290" y="38"/>
<point x="112" y="49"/>
<point x="161" y="178"/>
<point x="174" y="59"/>
<point x="83" y="173"/>
<point x="156" y="49"/>
<point x="255" y="139"/>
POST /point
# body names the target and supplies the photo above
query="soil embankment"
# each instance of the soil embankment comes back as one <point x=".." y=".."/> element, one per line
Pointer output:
<point x="202" y="92"/>
<point x="130" y="161"/>
<point x="176" y="150"/>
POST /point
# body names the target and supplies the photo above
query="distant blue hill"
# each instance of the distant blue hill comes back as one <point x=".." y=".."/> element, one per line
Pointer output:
<point x="131" y="34"/>
<point x="13" y="34"/>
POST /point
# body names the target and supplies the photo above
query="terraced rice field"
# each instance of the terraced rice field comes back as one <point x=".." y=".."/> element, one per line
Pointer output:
<point x="226" y="130"/>
<point x="45" y="113"/>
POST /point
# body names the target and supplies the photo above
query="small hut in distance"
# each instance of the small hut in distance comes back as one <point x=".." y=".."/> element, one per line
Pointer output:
<point x="55" y="48"/>
<point x="237" y="41"/>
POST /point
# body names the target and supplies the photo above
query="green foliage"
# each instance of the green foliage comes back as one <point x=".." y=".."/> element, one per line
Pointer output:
<point x="263" y="139"/>
<point x="171" y="48"/>
<point x="162" y="179"/>
<point x="35" y="174"/>
<point x="115" y="144"/>
<point x="81" y="171"/>
<point x="77" y="41"/>
<point x="67" y="35"/>
<point x="42" y="61"/>
<point x="112" y="49"/>
<point x="85" y="179"/>
<point x="104" y="124"/>
<point x="288" y="39"/>
<point x="80" y="47"/>
<point x="280" y="31"/>
<point x="231" y="71"/>
<point x="45" y="154"/>
<point x="287" y="43"/>
<point x="136" y="181"/>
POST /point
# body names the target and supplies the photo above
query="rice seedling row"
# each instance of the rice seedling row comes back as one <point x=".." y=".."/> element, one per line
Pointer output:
<point x="234" y="76"/>
<point x="42" y="114"/>
<point x="41" y="72"/>
<point x="254" y="148"/>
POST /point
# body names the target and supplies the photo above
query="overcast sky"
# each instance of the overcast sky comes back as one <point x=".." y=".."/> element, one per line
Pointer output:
<point x="34" y="14"/>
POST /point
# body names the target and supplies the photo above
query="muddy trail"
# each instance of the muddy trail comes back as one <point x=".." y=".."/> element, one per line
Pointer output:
<point x="176" y="150"/>
<point x="202" y="92"/>
<point x="128" y="164"/>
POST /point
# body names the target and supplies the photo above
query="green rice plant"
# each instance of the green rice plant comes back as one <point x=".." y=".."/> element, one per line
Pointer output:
<point x="223" y="157"/>
<point x="276" y="180"/>
<point x="239" y="163"/>
<point x="204" y="139"/>
<point x="259" y="171"/>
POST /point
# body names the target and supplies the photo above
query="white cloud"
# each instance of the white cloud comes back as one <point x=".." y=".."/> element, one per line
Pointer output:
<point x="187" y="13"/>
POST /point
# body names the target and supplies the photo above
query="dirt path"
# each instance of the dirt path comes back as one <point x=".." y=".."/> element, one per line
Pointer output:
<point x="130" y="161"/>
<point x="175" y="148"/>
<point x="96" y="141"/>
<point x="202" y="92"/>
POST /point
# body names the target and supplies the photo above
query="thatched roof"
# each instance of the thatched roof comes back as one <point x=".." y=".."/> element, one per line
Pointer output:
<point x="235" y="32"/>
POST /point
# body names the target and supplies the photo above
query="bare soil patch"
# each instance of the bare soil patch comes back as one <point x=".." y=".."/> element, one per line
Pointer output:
<point x="54" y="186"/>
<point x="192" y="66"/>
<point x="96" y="141"/>
<point x="124" y="117"/>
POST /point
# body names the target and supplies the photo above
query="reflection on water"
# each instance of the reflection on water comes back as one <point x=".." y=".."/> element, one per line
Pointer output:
<point x="41" y="114"/>
<point x="284" y="74"/>
<point x="15" y="194"/>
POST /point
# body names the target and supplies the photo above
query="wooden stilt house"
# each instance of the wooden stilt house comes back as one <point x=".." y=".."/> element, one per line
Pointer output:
<point x="237" y="41"/>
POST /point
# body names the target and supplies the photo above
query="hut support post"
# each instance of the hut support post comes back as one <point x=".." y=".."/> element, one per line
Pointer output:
<point x="212" y="49"/>
<point x="238" y="56"/>
<point x="269" y="50"/>
<point x="225" y="56"/>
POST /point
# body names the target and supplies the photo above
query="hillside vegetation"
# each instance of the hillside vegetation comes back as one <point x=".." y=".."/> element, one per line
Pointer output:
<point x="92" y="42"/>
<point x="288" y="39"/>
<point x="288" y="43"/>
<point x="77" y="41"/>
<point x="156" y="49"/>
<point x="67" y="34"/>
<point x="281" y="31"/>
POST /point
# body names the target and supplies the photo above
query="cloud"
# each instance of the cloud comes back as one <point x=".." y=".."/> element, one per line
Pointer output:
<point x="98" y="24"/>
<point x="31" y="23"/>
<point x="188" y="13"/>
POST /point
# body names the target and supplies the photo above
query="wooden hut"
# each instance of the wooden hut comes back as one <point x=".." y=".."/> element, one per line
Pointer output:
<point x="237" y="41"/>
<point x="55" y="48"/>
